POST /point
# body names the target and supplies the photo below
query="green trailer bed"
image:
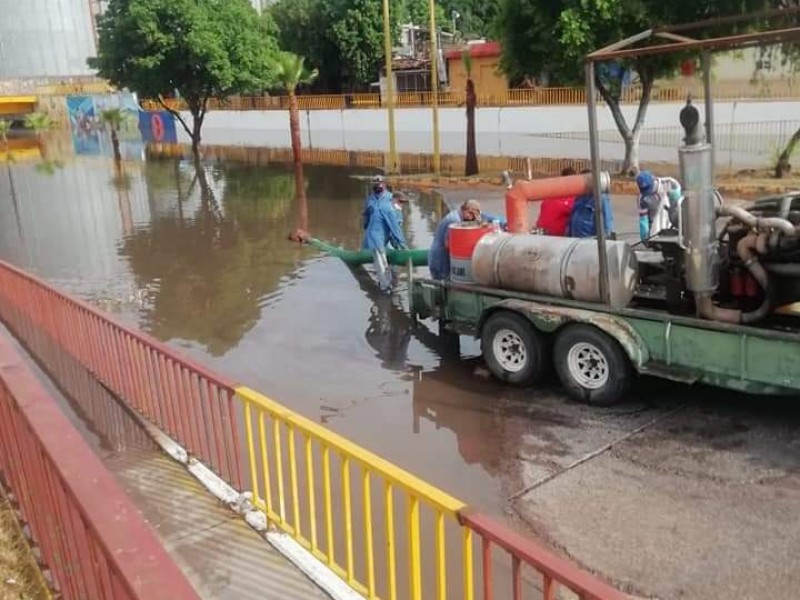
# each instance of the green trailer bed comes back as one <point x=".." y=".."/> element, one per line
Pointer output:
<point x="749" y="359"/>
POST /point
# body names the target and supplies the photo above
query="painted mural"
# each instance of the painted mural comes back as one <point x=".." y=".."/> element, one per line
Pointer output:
<point x="90" y="135"/>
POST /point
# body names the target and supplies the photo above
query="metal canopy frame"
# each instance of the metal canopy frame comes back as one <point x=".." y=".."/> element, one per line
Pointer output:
<point x="673" y="39"/>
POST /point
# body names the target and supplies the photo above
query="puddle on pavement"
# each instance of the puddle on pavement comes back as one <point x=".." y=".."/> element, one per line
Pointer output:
<point x="203" y="263"/>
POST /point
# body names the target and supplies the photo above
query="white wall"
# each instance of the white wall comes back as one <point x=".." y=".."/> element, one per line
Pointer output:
<point x="501" y="131"/>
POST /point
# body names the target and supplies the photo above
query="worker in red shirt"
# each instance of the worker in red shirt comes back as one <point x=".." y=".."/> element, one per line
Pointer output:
<point x="554" y="213"/>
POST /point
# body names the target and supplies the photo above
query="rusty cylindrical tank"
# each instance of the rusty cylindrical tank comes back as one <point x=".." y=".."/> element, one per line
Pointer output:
<point x="554" y="266"/>
<point x="462" y="238"/>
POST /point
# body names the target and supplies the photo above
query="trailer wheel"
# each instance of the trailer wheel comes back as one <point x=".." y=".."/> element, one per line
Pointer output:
<point x="514" y="350"/>
<point x="591" y="365"/>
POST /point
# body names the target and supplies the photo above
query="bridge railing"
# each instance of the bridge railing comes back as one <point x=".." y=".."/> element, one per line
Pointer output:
<point x="91" y="537"/>
<point x="385" y="532"/>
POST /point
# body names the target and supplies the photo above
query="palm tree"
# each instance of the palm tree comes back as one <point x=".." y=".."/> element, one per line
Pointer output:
<point x="300" y="195"/>
<point x="114" y="118"/>
<point x="471" y="166"/>
<point x="5" y="127"/>
<point x="291" y="71"/>
<point x="39" y="123"/>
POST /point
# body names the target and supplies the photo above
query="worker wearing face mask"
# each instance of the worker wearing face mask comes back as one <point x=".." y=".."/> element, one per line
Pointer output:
<point x="381" y="229"/>
<point x="658" y="200"/>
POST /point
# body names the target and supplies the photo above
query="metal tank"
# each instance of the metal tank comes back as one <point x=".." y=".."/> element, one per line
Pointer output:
<point x="46" y="38"/>
<point x="554" y="266"/>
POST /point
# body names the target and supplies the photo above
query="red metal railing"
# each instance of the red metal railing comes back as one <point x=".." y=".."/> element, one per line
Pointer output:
<point x="555" y="571"/>
<point x="90" y="535"/>
<point x="203" y="412"/>
<point x="191" y="404"/>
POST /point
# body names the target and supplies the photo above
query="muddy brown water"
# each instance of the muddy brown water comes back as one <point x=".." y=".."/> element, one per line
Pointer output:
<point x="203" y="263"/>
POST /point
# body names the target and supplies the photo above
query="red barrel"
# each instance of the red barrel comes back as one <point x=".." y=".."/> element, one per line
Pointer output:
<point x="462" y="238"/>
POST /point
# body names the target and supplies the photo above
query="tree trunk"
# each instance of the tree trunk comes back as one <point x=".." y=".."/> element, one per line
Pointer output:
<point x="197" y="125"/>
<point x="300" y="194"/>
<point x="630" y="136"/>
<point x="14" y="201"/>
<point x="115" y="147"/>
<point x="630" y="165"/>
<point x="784" y="166"/>
<point x="294" y="128"/>
<point x="471" y="167"/>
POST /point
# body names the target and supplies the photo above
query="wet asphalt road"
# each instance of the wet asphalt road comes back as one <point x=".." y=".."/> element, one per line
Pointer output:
<point x="678" y="493"/>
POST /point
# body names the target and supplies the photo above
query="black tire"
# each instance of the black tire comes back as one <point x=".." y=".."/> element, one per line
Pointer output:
<point x="607" y="365"/>
<point x="533" y="351"/>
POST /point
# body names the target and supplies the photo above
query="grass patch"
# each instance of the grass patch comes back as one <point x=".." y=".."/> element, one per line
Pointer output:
<point x="20" y="577"/>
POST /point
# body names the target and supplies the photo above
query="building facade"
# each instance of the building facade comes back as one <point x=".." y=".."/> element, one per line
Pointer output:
<point x="47" y="38"/>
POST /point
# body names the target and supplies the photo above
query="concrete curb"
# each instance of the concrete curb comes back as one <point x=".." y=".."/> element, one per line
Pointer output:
<point x="241" y="504"/>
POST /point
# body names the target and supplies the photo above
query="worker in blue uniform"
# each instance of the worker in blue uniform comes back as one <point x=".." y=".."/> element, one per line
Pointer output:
<point x="439" y="255"/>
<point x="381" y="230"/>
<point x="581" y="221"/>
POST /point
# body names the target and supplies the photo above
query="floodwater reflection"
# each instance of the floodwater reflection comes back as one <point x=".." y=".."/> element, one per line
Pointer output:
<point x="197" y="256"/>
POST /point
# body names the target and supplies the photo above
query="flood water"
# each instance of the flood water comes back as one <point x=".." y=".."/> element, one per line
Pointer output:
<point x="201" y="260"/>
<point x="204" y="264"/>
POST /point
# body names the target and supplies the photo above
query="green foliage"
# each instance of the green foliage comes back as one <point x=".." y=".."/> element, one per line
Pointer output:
<point x="553" y="36"/>
<point x="343" y="39"/>
<point x="201" y="48"/>
<point x="466" y="58"/>
<point x="49" y="167"/>
<point x="476" y="17"/>
<point x="113" y="117"/>
<point x="39" y="122"/>
<point x="418" y="13"/>
<point x="291" y="71"/>
<point x="5" y="127"/>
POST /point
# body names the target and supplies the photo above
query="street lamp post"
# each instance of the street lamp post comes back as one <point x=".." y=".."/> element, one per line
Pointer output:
<point x="435" y="88"/>
<point x="392" y="167"/>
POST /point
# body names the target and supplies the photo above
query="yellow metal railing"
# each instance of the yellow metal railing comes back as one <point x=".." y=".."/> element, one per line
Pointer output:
<point x="546" y="96"/>
<point x="319" y="488"/>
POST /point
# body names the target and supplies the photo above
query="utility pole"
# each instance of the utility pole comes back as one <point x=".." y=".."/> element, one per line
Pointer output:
<point x="393" y="167"/>
<point x="435" y="88"/>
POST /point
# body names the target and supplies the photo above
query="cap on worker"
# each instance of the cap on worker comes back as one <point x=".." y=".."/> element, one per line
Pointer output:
<point x="377" y="179"/>
<point x="646" y="182"/>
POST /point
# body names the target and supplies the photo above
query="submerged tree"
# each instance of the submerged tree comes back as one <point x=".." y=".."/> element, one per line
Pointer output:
<point x="471" y="166"/>
<point x="199" y="49"/>
<point x="114" y="119"/>
<point x="39" y="123"/>
<point x="5" y="127"/>
<point x="290" y="71"/>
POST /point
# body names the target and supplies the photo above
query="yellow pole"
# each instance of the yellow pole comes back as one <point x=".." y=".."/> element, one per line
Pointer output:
<point x="393" y="167"/>
<point x="435" y="89"/>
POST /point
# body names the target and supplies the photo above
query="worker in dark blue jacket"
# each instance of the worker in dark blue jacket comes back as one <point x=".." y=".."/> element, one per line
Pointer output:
<point x="581" y="221"/>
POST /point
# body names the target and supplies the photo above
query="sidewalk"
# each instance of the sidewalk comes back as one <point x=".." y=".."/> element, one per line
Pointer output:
<point x="223" y="558"/>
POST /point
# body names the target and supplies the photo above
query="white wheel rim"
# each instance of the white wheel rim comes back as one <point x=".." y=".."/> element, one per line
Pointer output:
<point x="509" y="350"/>
<point x="587" y="365"/>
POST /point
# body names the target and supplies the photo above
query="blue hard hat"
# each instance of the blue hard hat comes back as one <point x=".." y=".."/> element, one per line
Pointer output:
<point x="646" y="182"/>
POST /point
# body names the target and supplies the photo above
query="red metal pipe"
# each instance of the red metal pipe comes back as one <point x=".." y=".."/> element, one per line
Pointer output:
<point x="535" y="190"/>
